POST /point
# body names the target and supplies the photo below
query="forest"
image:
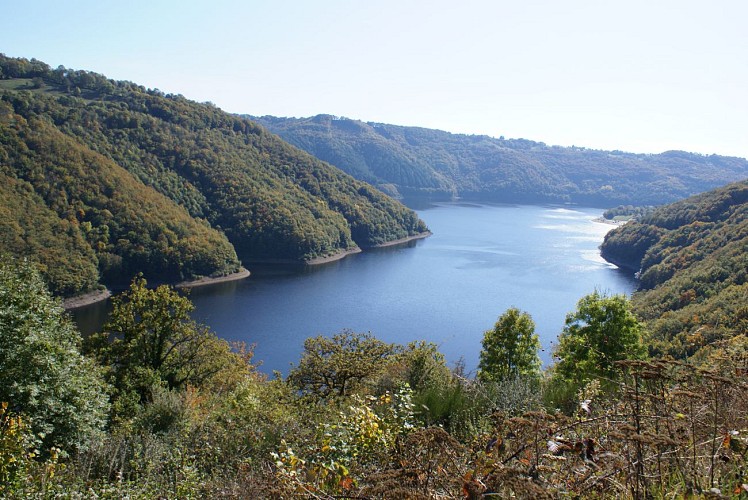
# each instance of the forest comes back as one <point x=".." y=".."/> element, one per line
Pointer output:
<point x="692" y="260"/>
<point x="114" y="179"/>
<point x="413" y="162"/>
<point x="646" y="398"/>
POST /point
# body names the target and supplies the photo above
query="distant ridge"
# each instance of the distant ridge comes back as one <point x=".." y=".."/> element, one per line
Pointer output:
<point x="103" y="179"/>
<point x="416" y="162"/>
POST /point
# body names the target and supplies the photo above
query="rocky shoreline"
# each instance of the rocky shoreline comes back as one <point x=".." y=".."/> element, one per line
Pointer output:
<point x="418" y="236"/>
<point x="87" y="299"/>
<point x="603" y="220"/>
<point x="239" y="275"/>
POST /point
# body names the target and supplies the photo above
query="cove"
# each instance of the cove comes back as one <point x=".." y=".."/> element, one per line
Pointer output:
<point x="447" y="289"/>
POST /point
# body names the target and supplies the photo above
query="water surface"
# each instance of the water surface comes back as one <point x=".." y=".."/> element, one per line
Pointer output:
<point x="447" y="289"/>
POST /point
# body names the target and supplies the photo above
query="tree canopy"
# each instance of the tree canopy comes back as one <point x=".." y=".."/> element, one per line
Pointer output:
<point x="335" y="365"/>
<point x="43" y="376"/>
<point x="150" y="342"/>
<point x="123" y="179"/>
<point x="692" y="262"/>
<point x="510" y="349"/>
<point x="601" y="331"/>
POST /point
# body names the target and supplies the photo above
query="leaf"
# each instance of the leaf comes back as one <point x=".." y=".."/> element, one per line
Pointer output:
<point x="346" y="483"/>
<point x="726" y="441"/>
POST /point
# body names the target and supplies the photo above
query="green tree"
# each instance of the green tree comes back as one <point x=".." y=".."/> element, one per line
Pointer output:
<point x="42" y="373"/>
<point x="150" y="342"/>
<point x="420" y="365"/>
<point x="600" y="332"/>
<point x="510" y="350"/>
<point x="339" y="364"/>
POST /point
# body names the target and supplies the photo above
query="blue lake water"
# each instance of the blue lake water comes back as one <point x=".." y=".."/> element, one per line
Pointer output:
<point x="447" y="289"/>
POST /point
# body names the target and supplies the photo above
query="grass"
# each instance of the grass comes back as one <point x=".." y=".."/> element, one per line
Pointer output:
<point x="17" y="84"/>
<point x="27" y="84"/>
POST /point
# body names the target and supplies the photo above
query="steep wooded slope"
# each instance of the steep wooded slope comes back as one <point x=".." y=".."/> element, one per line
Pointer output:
<point x="693" y="262"/>
<point x="142" y="181"/>
<point x="412" y="161"/>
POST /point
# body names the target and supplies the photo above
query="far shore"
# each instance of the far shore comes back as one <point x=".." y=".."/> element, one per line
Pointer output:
<point x="239" y="275"/>
<point x="341" y="255"/>
<point x="418" y="236"/>
<point x="86" y="299"/>
<point x="603" y="220"/>
<point x="332" y="258"/>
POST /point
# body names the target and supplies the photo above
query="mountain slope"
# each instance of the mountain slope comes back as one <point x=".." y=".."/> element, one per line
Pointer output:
<point x="84" y="214"/>
<point x="412" y="161"/>
<point x="692" y="256"/>
<point x="173" y="188"/>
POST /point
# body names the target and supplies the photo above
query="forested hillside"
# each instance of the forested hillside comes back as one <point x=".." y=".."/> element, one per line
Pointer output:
<point x="692" y="258"/>
<point x="412" y="161"/>
<point x="101" y="179"/>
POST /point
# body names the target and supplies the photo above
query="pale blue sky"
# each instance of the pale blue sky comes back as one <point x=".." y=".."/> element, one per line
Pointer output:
<point x="634" y="75"/>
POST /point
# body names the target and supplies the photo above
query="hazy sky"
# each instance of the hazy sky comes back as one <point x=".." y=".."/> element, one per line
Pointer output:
<point x="634" y="75"/>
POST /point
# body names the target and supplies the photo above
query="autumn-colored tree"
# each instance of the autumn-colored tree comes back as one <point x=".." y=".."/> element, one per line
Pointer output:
<point x="151" y="341"/>
<point x="337" y="365"/>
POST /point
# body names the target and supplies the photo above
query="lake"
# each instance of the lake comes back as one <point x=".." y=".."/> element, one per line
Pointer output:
<point x="447" y="289"/>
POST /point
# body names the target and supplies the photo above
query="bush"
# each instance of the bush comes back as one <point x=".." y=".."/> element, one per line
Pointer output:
<point x="42" y="372"/>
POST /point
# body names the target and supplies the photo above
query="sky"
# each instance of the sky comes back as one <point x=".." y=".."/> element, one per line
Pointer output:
<point x="643" y="76"/>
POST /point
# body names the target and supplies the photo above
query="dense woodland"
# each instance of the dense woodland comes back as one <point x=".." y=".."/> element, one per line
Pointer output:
<point x="115" y="179"/>
<point x="692" y="260"/>
<point x="646" y="398"/>
<point x="418" y="162"/>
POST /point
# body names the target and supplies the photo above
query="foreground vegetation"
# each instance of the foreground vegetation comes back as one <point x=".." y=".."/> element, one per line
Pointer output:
<point x="420" y="162"/>
<point x="160" y="407"/>
<point x="102" y="179"/>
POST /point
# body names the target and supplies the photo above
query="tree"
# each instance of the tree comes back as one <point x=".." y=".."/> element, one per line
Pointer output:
<point x="510" y="350"/>
<point x="150" y="341"/>
<point x="337" y="365"/>
<point x="42" y="373"/>
<point x="600" y="332"/>
<point x="420" y="365"/>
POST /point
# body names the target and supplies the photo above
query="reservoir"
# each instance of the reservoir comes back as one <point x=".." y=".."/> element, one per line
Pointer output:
<point x="446" y="289"/>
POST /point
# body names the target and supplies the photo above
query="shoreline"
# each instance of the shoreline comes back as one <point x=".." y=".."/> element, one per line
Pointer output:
<point x="332" y="258"/>
<point x="86" y="299"/>
<point x="207" y="280"/>
<point x="610" y="222"/>
<point x="407" y="239"/>
<point x="341" y="255"/>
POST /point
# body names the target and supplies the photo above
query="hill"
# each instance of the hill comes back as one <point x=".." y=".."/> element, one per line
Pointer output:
<point x="116" y="179"/>
<point x="692" y="259"/>
<point x="415" y="162"/>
